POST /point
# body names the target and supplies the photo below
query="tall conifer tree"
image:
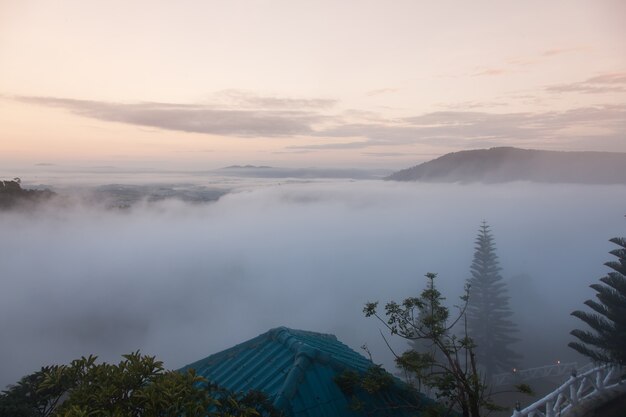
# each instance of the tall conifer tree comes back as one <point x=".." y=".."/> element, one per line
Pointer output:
<point x="607" y="341"/>
<point x="488" y="311"/>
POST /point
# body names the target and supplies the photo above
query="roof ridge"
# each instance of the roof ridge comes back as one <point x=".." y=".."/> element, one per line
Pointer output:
<point x="291" y="340"/>
<point x="225" y="353"/>
<point x="305" y="352"/>
<point x="298" y="332"/>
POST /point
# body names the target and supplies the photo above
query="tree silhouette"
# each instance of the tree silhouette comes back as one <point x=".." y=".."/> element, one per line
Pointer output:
<point x="455" y="379"/>
<point x="139" y="386"/>
<point x="488" y="311"/>
<point x="27" y="399"/>
<point x="607" y="341"/>
<point x="450" y="368"/>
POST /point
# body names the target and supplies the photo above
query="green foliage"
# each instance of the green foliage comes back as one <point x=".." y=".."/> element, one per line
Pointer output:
<point x="451" y="370"/>
<point x="138" y="386"/>
<point x="606" y="343"/>
<point x="488" y="311"/>
<point x="12" y="194"/>
<point x="376" y="379"/>
<point x="26" y="399"/>
<point x="371" y="393"/>
<point x="241" y="404"/>
<point x="348" y="381"/>
<point x="524" y="389"/>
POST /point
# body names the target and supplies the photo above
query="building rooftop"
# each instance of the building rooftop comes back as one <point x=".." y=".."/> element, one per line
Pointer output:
<point x="297" y="370"/>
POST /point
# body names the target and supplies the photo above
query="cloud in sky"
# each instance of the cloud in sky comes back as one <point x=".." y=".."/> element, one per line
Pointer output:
<point x="600" y="124"/>
<point x="516" y="64"/>
<point x="387" y="154"/>
<point x="195" y="118"/>
<point x="560" y="51"/>
<point x="614" y="82"/>
<point x="473" y="104"/>
<point x="492" y="71"/>
<point x="482" y="129"/>
<point x="246" y="99"/>
<point x="341" y="145"/>
<point x="611" y="78"/>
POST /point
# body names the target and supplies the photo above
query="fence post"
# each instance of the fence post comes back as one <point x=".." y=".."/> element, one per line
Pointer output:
<point x="573" y="389"/>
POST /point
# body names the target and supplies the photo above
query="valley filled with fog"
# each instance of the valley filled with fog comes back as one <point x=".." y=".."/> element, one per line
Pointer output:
<point x="185" y="278"/>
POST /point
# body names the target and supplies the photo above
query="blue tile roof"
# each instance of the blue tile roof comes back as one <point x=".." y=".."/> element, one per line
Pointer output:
<point x="295" y="368"/>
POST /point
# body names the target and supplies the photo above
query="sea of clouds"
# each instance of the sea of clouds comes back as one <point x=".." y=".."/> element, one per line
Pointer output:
<point x="185" y="280"/>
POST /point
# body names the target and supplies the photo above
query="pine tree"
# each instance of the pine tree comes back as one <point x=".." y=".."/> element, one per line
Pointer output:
<point x="488" y="313"/>
<point x="607" y="342"/>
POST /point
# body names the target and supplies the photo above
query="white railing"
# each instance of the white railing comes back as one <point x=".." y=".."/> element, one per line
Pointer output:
<point x="519" y="375"/>
<point x="580" y="391"/>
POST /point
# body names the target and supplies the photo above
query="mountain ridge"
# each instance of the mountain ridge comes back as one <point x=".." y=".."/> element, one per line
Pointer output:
<point x="507" y="164"/>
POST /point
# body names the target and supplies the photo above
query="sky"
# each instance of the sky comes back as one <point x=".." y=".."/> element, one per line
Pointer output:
<point x="203" y="84"/>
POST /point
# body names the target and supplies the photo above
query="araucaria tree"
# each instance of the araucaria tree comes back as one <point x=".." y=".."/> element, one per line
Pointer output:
<point x="606" y="343"/>
<point x="488" y="311"/>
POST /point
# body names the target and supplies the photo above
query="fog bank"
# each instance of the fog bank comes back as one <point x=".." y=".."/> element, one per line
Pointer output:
<point x="183" y="281"/>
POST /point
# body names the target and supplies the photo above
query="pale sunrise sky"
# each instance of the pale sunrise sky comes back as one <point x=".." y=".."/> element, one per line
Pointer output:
<point x="203" y="84"/>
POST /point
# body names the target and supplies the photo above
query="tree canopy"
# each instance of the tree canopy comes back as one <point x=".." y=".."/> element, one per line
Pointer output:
<point x="606" y="341"/>
<point x="451" y="370"/>
<point x="12" y="194"/>
<point x="488" y="311"/>
<point x="138" y="386"/>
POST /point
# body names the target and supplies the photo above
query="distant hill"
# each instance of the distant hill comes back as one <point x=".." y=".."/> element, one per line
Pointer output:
<point x="312" y="173"/>
<point x="12" y="194"/>
<point x="247" y="167"/>
<point x="506" y="164"/>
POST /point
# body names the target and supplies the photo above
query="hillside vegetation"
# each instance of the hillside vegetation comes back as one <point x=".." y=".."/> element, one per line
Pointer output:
<point x="505" y="164"/>
<point x="12" y="194"/>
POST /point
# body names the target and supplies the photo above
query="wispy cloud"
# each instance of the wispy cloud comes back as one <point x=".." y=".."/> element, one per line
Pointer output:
<point x="380" y="91"/>
<point x="464" y="129"/>
<point x="401" y="154"/>
<point x="610" y="78"/>
<point x="473" y="104"/>
<point x="614" y="82"/>
<point x="193" y="118"/>
<point x="491" y="72"/>
<point x="248" y="100"/>
<point x="518" y="64"/>
<point x="452" y="128"/>
<point x="342" y="145"/>
<point x="522" y="126"/>
<point x="561" y="51"/>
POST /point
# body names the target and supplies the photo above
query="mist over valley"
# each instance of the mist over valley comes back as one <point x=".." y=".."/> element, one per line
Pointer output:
<point x="183" y="279"/>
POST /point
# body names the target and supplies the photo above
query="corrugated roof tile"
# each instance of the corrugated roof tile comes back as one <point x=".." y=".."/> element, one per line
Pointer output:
<point x="295" y="368"/>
